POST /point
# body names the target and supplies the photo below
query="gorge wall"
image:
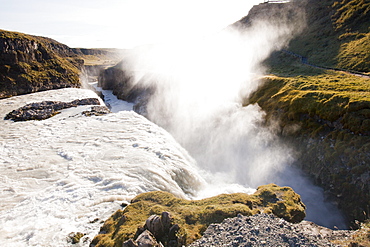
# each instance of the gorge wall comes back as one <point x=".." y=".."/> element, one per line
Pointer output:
<point x="324" y="113"/>
<point x="31" y="63"/>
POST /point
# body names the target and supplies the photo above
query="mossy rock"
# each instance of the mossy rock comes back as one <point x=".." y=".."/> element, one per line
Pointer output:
<point x="194" y="216"/>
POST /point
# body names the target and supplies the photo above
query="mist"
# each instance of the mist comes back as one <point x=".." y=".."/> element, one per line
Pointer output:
<point x="200" y="86"/>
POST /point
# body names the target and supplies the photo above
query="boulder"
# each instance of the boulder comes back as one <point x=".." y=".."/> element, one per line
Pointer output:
<point x="161" y="228"/>
<point x="154" y="225"/>
<point x="146" y="239"/>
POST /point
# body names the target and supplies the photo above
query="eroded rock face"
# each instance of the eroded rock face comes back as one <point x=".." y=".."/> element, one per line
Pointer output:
<point x="46" y="109"/>
<point x="121" y="81"/>
<point x="339" y="162"/>
<point x="32" y="63"/>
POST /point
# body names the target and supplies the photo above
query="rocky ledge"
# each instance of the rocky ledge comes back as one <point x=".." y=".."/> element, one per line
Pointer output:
<point x="184" y="221"/>
<point x="46" y="109"/>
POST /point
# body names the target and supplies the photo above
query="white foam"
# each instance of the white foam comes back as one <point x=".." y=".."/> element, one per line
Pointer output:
<point x="59" y="174"/>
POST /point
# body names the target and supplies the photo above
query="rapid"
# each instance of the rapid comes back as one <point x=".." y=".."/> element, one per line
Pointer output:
<point x="68" y="173"/>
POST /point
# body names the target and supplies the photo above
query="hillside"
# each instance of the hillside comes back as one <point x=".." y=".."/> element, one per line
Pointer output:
<point x="324" y="113"/>
<point x="32" y="63"/>
<point x="337" y="34"/>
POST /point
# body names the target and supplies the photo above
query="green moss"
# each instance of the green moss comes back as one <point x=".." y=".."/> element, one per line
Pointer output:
<point x="354" y="54"/>
<point x="329" y="96"/>
<point x="336" y="34"/>
<point x="75" y="237"/>
<point x="193" y="217"/>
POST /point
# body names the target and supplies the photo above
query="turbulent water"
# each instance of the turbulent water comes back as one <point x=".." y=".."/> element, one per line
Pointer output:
<point x="59" y="175"/>
<point x="70" y="172"/>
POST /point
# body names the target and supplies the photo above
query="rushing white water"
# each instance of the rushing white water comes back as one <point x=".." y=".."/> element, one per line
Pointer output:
<point x="58" y="175"/>
<point x="68" y="173"/>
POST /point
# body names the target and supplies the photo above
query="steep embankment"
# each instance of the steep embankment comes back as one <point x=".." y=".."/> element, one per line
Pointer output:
<point x="337" y="34"/>
<point x="31" y="63"/>
<point x="324" y="113"/>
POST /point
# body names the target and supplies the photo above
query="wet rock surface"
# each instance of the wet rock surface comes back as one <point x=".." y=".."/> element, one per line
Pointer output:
<point x="46" y="109"/>
<point x="268" y="230"/>
<point x="96" y="111"/>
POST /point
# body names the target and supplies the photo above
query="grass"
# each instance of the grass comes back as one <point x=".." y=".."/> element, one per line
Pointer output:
<point x="193" y="217"/>
<point x="336" y="34"/>
<point x="36" y="63"/>
<point x="298" y="92"/>
<point x="101" y="56"/>
<point x="355" y="54"/>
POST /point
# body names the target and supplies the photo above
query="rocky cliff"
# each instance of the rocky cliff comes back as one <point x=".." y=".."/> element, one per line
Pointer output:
<point x="31" y="63"/>
<point x="321" y="108"/>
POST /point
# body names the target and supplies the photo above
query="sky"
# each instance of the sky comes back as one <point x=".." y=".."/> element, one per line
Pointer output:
<point x="120" y="23"/>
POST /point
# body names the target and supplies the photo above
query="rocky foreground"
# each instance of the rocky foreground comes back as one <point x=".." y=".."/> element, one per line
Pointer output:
<point x="188" y="219"/>
<point x="268" y="230"/>
<point x="272" y="216"/>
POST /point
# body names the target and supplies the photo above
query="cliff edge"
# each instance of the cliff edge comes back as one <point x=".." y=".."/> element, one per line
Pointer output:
<point x="32" y="63"/>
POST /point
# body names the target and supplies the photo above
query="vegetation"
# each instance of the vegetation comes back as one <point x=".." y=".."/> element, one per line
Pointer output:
<point x="323" y="112"/>
<point x="336" y="35"/>
<point x="360" y="238"/>
<point x="193" y="217"/>
<point x="31" y="63"/>
<point x="103" y="57"/>
<point x="313" y="94"/>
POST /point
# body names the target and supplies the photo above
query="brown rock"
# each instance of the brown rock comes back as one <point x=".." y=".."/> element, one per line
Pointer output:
<point x="146" y="239"/>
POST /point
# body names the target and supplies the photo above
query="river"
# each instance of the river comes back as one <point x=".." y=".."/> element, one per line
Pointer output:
<point x="70" y="172"/>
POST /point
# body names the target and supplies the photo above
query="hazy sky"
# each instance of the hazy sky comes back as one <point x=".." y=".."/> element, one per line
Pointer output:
<point x="120" y="23"/>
